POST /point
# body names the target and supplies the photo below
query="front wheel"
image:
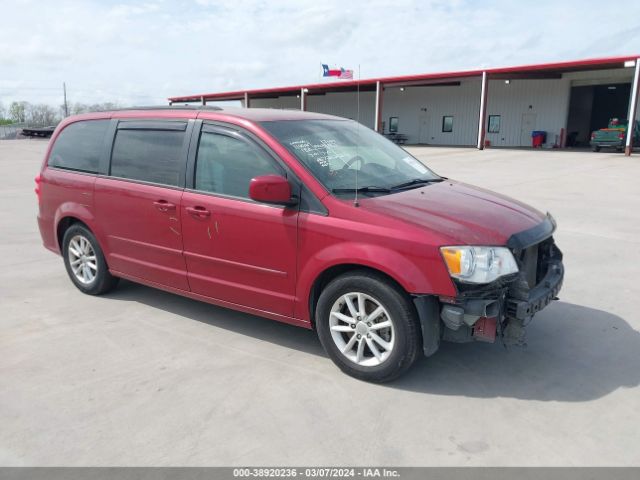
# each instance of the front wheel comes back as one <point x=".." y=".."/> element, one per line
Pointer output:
<point x="368" y="326"/>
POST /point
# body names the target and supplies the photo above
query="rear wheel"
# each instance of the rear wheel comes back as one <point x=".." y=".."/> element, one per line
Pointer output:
<point x="368" y="326"/>
<point x="84" y="261"/>
<point x="595" y="148"/>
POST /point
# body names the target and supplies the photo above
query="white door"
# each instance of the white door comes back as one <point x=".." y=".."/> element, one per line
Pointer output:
<point x="528" y="126"/>
<point x="424" y="128"/>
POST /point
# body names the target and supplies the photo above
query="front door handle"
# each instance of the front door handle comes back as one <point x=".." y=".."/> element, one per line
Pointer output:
<point x="164" y="206"/>
<point x="198" y="211"/>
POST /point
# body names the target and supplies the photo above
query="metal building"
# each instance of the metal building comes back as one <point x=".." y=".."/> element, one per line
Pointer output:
<point x="567" y="100"/>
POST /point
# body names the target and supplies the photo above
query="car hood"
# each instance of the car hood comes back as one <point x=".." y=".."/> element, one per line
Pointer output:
<point x="458" y="212"/>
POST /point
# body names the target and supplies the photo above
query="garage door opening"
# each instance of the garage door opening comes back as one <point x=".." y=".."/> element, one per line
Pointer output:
<point x="591" y="107"/>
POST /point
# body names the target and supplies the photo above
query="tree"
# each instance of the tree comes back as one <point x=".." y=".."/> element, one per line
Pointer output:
<point x="76" y="108"/>
<point x="2" y="111"/>
<point x="42" y="115"/>
<point x="18" y="111"/>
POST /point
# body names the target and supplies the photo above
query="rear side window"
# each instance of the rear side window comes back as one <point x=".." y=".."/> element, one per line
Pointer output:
<point x="79" y="146"/>
<point x="148" y="155"/>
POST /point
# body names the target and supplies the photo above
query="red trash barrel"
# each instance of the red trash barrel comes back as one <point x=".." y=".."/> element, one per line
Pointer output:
<point x="538" y="137"/>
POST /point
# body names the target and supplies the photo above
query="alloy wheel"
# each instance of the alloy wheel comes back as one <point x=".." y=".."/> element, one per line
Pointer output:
<point x="362" y="329"/>
<point x="82" y="259"/>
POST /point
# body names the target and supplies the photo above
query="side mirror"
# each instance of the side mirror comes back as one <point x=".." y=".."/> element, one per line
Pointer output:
<point x="271" y="189"/>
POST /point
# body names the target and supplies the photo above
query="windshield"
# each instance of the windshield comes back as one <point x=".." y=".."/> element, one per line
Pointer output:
<point x="338" y="151"/>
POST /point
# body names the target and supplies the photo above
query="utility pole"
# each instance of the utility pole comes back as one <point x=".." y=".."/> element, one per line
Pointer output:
<point x="66" y="108"/>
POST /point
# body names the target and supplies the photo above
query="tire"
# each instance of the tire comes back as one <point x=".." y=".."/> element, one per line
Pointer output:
<point x="89" y="272"/>
<point x="595" y="148"/>
<point x="403" y="337"/>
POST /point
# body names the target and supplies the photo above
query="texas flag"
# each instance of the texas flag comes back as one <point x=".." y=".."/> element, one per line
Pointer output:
<point x="340" y="73"/>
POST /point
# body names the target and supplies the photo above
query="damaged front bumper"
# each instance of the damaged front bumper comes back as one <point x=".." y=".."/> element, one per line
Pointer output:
<point x="500" y="310"/>
<point x="507" y="311"/>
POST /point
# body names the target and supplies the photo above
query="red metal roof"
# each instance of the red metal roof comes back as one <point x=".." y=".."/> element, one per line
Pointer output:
<point x="554" y="67"/>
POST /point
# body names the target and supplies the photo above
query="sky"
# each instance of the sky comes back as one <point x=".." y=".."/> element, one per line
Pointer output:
<point x="136" y="53"/>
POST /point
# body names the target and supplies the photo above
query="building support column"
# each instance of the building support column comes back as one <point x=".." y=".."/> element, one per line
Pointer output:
<point x="378" y="114"/>
<point x="246" y="100"/>
<point x="204" y="102"/>
<point x="303" y="100"/>
<point x="633" y="105"/>
<point x="482" y="121"/>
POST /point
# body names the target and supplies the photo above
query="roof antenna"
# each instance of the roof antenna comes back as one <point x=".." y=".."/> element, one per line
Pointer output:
<point x="355" y="198"/>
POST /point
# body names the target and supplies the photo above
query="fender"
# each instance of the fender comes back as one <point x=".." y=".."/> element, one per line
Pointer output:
<point x="82" y="213"/>
<point x="405" y="271"/>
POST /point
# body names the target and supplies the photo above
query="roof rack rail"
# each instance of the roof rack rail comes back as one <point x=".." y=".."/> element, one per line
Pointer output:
<point x="169" y="107"/>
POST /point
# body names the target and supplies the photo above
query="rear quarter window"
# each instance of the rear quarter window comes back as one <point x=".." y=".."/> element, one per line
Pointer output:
<point x="79" y="146"/>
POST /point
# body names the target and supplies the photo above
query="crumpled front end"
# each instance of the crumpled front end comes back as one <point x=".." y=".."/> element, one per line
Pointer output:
<point x="502" y="309"/>
<point x="537" y="284"/>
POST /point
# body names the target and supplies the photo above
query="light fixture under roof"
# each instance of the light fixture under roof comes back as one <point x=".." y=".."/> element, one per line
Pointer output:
<point x="630" y="63"/>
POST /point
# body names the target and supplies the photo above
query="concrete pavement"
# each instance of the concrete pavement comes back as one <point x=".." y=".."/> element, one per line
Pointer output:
<point x="142" y="377"/>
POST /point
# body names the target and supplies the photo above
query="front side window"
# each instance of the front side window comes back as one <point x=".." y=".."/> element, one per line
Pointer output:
<point x="342" y="154"/>
<point x="79" y="146"/>
<point x="148" y="155"/>
<point x="226" y="164"/>
<point x="447" y="124"/>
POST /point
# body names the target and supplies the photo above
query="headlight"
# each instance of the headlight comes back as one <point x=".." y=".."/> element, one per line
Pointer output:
<point x="478" y="264"/>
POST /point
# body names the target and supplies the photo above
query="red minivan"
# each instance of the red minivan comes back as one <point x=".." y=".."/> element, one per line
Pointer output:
<point x="304" y="218"/>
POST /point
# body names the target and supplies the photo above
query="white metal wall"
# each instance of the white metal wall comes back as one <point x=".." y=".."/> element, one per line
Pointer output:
<point x="420" y="111"/>
<point x="546" y="101"/>
<point x="345" y="104"/>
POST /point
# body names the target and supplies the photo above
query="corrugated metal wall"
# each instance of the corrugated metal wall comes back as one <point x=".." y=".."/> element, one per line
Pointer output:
<point x="345" y="105"/>
<point x="420" y="111"/>
<point x="523" y="105"/>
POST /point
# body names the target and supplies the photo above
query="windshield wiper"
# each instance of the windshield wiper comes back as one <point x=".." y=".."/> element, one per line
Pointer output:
<point x="416" y="182"/>
<point x="369" y="189"/>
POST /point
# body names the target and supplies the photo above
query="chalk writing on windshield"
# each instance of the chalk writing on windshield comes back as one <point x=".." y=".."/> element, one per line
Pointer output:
<point x="326" y="153"/>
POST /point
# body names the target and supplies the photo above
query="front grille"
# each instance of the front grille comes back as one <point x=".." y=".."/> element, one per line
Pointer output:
<point x="534" y="261"/>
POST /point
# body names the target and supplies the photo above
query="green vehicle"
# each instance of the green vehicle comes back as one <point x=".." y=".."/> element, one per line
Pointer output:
<point x="614" y="135"/>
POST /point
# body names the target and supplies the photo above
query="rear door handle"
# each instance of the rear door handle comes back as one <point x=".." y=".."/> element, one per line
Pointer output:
<point x="164" y="206"/>
<point x="197" y="211"/>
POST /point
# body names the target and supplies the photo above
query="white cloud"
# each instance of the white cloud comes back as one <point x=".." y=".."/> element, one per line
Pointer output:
<point x="142" y="52"/>
<point x="125" y="10"/>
